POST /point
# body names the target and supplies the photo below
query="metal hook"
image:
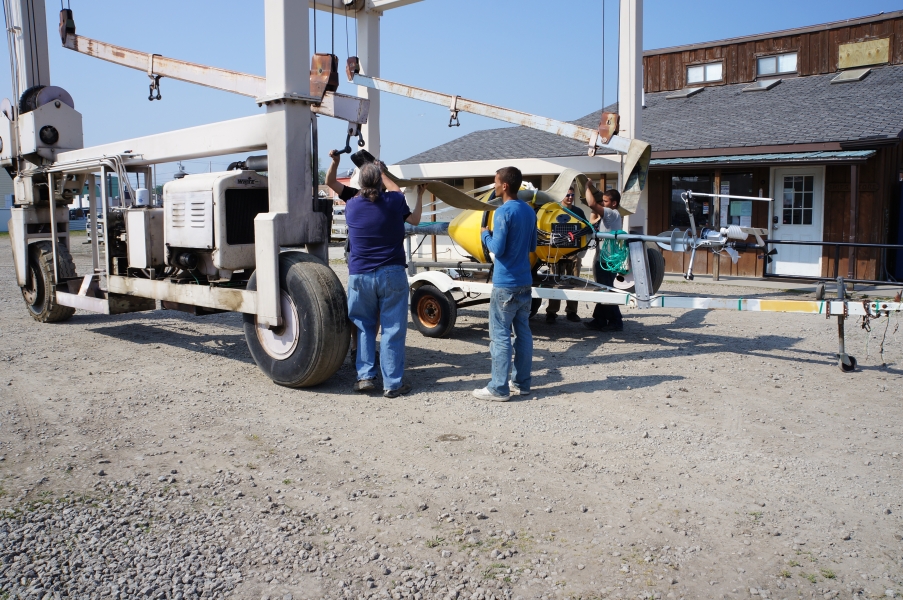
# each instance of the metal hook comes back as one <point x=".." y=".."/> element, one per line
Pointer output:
<point x="155" y="79"/>
<point x="352" y="131"/>
<point x="453" y="119"/>
<point x="154" y="86"/>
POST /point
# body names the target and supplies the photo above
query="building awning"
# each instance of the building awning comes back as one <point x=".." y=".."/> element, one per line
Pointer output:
<point x="823" y="157"/>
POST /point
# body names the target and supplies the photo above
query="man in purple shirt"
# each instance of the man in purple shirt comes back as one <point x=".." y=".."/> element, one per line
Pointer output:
<point x="377" y="282"/>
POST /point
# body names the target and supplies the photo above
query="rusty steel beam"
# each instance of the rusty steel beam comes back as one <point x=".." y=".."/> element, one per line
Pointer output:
<point x="154" y="64"/>
<point x="339" y="106"/>
<point x="457" y="104"/>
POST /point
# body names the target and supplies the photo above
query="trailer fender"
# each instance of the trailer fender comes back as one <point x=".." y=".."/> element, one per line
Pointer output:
<point x="436" y="278"/>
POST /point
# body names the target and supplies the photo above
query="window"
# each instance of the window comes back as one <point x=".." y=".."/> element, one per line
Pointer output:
<point x="701" y="207"/>
<point x="798" y="192"/>
<point x="736" y="212"/>
<point x="776" y="65"/>
<point x="704" y="73"/>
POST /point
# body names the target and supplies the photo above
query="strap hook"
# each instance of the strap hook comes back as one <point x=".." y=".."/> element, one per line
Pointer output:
<point x="453" y="118"/>
<point x="155" y="79"/>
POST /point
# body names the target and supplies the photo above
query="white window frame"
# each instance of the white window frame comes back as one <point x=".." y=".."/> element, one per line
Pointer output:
<point x="705" y="72"/>
<point x="777" y="61"/>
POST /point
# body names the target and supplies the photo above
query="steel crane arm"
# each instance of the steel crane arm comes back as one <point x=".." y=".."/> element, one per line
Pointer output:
<point x="456" y="104"/>
<point x="154" y="64"/>
<point x="340" y="106"/>
<point x="637" y="153"/>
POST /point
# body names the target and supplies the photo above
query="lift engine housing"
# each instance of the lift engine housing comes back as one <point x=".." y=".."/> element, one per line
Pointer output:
<point x="211" y="217"/>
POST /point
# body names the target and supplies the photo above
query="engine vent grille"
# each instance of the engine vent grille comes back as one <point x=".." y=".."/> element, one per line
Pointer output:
<point x="189" y="213"/>
<point x="242" y="205"/>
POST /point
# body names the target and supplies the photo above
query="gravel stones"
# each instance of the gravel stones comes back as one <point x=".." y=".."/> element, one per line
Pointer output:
<point x="126" y="548"/>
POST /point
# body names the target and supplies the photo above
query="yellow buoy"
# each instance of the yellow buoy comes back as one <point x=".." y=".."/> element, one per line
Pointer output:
<point x="465" y="229"/>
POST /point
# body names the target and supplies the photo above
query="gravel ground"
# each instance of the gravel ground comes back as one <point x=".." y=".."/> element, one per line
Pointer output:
<point x="695" y="455"/>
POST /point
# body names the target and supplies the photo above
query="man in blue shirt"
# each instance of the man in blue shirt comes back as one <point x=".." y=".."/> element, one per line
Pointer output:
<point x="512" y="239"/>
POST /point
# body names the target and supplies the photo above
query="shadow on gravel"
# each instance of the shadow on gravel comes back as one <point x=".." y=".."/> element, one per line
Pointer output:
<point x="686" y="335"/>
<point x="230" y="345"/>
<point x="620" y="383"/>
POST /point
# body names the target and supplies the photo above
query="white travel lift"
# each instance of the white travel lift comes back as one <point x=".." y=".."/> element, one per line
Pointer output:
<point x="233" y="241"/>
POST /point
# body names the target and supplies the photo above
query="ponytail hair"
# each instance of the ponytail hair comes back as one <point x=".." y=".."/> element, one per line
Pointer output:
<point x="371" y="178"/>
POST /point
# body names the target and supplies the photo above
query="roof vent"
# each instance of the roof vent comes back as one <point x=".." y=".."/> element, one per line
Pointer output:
<point x="762" y="85"/>
<point x="851" y="75"/>
<point x="684" y="93"/>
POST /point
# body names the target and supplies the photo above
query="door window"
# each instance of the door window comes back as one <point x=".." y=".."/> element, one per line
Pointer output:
<point x="798" y="193"/>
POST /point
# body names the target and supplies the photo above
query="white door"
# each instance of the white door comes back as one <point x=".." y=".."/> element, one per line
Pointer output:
<point x="799" y="207"/>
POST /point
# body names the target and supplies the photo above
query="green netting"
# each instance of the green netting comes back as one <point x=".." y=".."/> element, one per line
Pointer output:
<point x="613" y="254"/>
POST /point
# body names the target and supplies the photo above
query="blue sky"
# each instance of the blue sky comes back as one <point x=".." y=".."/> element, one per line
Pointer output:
<point x="541" y="57"/>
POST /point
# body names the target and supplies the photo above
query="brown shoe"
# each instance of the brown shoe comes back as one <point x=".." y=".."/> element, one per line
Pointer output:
<point x="404" y="389"/>
<point x="365" y="386"/>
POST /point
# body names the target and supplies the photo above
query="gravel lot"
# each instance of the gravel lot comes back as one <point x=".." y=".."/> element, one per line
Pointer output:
<point x="695" y="455"/>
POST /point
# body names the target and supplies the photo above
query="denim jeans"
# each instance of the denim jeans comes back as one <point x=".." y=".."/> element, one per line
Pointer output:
<point x="510" y="307"/>
<point x="380" y="298"/>
<point x="605" y="314"/>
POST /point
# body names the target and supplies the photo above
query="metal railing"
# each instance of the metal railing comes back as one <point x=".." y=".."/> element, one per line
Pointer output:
<point x="837" y="247"/>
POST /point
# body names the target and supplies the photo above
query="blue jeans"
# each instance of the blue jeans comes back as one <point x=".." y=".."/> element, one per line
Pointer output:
<point x="510" y="307"/>
<point x="380" y="298"/>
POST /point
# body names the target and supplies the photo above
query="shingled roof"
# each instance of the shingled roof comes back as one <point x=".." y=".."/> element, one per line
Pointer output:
<point x="800" y="110"/>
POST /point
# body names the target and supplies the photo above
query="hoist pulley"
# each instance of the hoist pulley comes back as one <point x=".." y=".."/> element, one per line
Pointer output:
<point x="324" y="74"/>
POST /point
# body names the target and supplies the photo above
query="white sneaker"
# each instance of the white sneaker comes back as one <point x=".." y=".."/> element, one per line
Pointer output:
<point x="486" y="394"/>
<point x="515" y="389"/>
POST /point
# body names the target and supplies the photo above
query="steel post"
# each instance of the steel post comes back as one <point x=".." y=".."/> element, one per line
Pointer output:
<point x="841" y="349"/>
<point x="105" y="219"/>
<point x="92" y="222"/>
<point x="54" y="236"/>
<point x="640" y="269"/>
<point x="368" y="52"/>
<point x="291" y="220"/>
<point x="412" y="268"/>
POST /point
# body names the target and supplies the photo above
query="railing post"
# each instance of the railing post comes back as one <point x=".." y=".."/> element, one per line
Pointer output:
<point x="854" y="219"/>
<point x="836" y="261"/>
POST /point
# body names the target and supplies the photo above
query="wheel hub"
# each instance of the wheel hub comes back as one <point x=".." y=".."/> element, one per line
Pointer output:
<point x="280" y="343"/>
<point x="429" y="312"/>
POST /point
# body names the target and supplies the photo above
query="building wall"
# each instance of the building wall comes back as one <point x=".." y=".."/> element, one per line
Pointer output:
<point x="878" y="188"/>
<point x="877" y="218"/>
<point x="818" y="54"/>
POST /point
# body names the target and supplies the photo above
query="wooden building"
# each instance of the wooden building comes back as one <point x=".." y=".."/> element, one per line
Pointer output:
<point x="812" y="117"/>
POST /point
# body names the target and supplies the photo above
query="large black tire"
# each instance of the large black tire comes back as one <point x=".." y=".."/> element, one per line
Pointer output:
<point x="656" y="266"/>
<point x="39" y="291"/>
<point x="535" y="303"/>
<point x="315" y="308"/>
<point x="434" y="312"/>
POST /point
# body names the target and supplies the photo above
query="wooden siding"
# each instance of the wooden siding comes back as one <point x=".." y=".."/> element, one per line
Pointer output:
<point x="877" y="189"/>
<point x="818" y="54"/>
